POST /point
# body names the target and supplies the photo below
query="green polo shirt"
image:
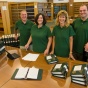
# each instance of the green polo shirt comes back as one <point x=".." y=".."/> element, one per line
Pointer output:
<point x="62" y="47"/>
<point x="81" y="38"/>
<point x="40" y="38"/>
<point x="24" y="30"/>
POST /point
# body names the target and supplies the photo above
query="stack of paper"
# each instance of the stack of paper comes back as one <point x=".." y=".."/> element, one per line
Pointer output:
<point x="60" y="70"/>
<point x="28" y="73"/>
<point x="79" y="74"/>
<point x="50" y="59"/>
<point x="30" y="57"/>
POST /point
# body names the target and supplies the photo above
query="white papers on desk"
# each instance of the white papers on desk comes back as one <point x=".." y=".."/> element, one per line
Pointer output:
<point x="27" y="73"/>
<point x="33" y="73"/>
<point x="21" y="73"/>
<point x="31" y="57"/>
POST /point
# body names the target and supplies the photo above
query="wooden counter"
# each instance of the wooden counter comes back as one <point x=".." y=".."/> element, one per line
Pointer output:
<point x="7" y="68"/>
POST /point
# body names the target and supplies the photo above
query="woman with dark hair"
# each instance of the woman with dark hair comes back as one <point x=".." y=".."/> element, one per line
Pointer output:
<point x="40" y="35"/>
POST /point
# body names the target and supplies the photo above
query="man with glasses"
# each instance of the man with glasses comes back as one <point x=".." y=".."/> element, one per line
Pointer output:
<point x="80" y="26"/>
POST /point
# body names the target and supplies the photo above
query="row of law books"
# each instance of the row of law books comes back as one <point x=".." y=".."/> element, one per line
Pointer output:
<point x="79" y="73"/>
<point x="9" y="40"/>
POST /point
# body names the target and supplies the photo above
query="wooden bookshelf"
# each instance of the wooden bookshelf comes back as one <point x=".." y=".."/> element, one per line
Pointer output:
<point x="47" y="10"/>
<point x="76" y="9"/>
<point x="16" y="8"/>
<point x="58" y="7"/>
<point x="32" y="9"/>
<point x="76" y="6"/>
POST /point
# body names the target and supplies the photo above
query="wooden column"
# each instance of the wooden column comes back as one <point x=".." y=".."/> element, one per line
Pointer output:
<point x="5" y="17"/>
<point x="70" y="8"/>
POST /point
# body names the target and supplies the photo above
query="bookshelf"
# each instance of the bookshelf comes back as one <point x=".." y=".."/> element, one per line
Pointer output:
<point x="76" y="6"/>
<point x="47" y="10"/>
<point x="58" y="7"/>
<point x="76" y="9"/>
<point x="32" y="9"/>
<point x="16" y="8"/>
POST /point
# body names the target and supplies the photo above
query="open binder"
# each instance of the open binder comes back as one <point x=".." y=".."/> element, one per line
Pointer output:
<point x="27" y="73"/>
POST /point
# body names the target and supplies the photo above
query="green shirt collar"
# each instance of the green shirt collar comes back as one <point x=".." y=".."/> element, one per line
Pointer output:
<point x="84" y="21"/>
<point x="40" y="27"/>
<point x="23" y="23"/>
<point x="61" y="27"/>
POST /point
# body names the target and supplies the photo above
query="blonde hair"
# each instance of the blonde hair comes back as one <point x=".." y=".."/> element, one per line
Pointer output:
<point x="63" y="12"/>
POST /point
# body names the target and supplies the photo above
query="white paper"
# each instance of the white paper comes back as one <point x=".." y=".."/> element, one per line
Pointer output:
<point x="48" y="57"/>
<point x="83" y="83"/>
<point x="56" y="73"/>
<point x="77" y="68"/>
<point x="31" y="57"/>
<point x="58" y="66"/>
<point x="77" y="75"/>
<point x="22" y="72"/>
<point x="33" y="73"/>
<point x="59" y="75"/>
<point x="53" y="62"/>
<point x="79" y="79"/>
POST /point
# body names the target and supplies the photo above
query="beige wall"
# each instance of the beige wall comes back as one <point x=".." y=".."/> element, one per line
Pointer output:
<point x="60" y="1"/>
<point x="25" y="0"/>
<point x="80" y="0"/>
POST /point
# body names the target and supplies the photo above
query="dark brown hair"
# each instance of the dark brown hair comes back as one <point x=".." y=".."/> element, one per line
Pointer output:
<point x="37" y="16"/>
